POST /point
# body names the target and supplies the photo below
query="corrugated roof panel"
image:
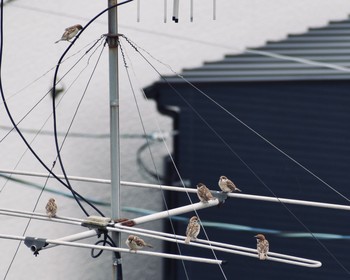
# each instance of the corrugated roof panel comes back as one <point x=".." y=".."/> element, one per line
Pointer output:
<point x="329" y="32"/>
<point x="309" y="45"/>
<point x="253" y="58"/>
<point x="268" y="65"/>
<point x="320" y="39"/>
<point x="330" y="44"/>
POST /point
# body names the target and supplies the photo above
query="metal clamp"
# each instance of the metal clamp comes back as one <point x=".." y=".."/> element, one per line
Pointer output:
<point x="112" y="39"/>
<point x="35" y="244"/>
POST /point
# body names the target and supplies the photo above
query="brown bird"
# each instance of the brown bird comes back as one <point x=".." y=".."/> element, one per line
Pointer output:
<point x="135" y="243"/>
<point x="227" y="186"/>
<point x="51" y="208"/>
<point x="262" y="246"/>
<point x="204" y="193"/>
<point x="70" y="32"/>
<point x="193" y="229"/>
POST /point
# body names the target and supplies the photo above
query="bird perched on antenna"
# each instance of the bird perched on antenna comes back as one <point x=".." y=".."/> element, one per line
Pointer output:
<point x="193" y="229"/>
<point x="135" y="243"/>
<point x="262" y="246"/>
<point x="70" y="32"/>
<point x="51" y="208"/>
<point x="204" y="193"/>
<point x="227" y="186"/>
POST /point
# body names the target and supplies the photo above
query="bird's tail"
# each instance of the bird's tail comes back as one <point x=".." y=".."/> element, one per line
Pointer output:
<point x="58" y="41"/>
<point x="237" y="189"/>
<point x="187" y="240"/>
<point x="262" y="256"/>
<point x="148" y="245"/>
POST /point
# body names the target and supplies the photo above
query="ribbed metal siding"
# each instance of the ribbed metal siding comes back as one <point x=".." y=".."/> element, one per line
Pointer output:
<point x="330" y="44"/>
<point x="308" y="120"/>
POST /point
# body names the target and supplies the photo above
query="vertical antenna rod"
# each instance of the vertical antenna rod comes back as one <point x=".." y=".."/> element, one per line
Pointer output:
<point x="214" y="9"/>
<point x="114" y="129"/>
<point x="165" y="10"/>
<point x="138" y="10"/>
<point x="191" y="10"/>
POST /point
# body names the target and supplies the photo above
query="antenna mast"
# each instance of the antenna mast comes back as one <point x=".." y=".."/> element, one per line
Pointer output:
<point x="114" y="130"/>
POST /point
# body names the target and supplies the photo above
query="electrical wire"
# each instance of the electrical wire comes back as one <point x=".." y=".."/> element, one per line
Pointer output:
<point x="38" y="199"/>
<point x="150" y="151"/>
<point x="71" y="134"/>
<point x="222" y="271"/>
<point x="41" y="99"/>
<point x="206" y="43"/>
<point x="100" y="39"/>
<point x="83" y="95"/>
<point x="39" y="131"/>
<point x="230" y="148"/>
<point x="179" y="175"/>
<point x="54" y="93"/>
<point x="118" y="256"/>
<point x="51" y="190"/>
<point x="47" y="72"/>
<point x="22" y="136"/>
<point x="75" y="114"/>
<point x="250" y="128"/>
<point x="58" y="147"/>
<point x="142" y="165"/>
<point x="30" y="219"/>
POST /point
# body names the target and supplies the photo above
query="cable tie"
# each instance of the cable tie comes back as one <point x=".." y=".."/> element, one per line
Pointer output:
<point x="96" y="222"/>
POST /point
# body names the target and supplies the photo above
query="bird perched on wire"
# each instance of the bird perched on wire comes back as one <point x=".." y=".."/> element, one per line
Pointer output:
<point x="227" y="186"/>
<point x="135" y="243"/>
<point x="193" y="229"/>
<point x="262" y="246"/>
<point x="51" y="208"/>
<point x="204" y="193"/>
<point x="70" y="32"/>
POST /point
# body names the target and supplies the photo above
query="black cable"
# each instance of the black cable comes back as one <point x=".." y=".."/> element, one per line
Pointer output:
<point x="142" y="165"/>
<point x="75" y="114"/>
<point x="54" y="94"/>
<point x="17" y="129"/>
<point x="41" y="99"/>
<point x="117" y="255"/>
<point x="57" y="105"/>
<point x="118" y="258"/>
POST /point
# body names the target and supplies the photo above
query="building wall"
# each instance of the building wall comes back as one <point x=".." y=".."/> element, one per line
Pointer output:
<point x="309" y="121"/>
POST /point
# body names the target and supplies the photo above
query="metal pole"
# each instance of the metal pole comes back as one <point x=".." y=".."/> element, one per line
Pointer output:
<point x="175" y="211"/>
<point x="114" y="129"/>
<point x="190" y="190"/>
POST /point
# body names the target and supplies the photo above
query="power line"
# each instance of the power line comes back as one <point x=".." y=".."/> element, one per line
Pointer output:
<point x="136" y="48"/>
<point x="221" y="269"/>
<point x="16" y="127"/>
<point x="147" y="144"/>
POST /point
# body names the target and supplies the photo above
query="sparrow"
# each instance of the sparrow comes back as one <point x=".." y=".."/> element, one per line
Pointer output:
<point x="193" y="229"/>
<point x="135" y="243"/>
<point x="203" y="193"/>
<point x="226" y="185"/>
<point x="51" y="208"/>
<point x="70" y="32"/>
<point x="262" y="246"/>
